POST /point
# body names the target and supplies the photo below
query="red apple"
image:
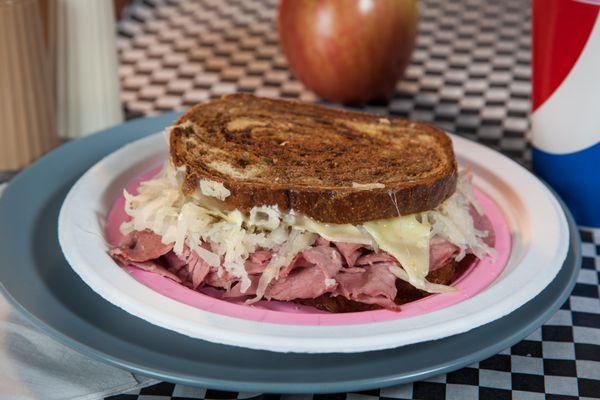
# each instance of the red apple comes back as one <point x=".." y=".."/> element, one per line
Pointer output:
<point x="349" y="51"/>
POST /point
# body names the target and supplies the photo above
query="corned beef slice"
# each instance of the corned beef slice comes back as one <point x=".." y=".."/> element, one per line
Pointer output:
<point x="258" y="261"/>
<point x="302" y="283"/>
<point x="440" y="252"/>
<point x="350" y="251"/>
<point x="141" y="246"/>
<point x="196" y="266"/>
<point x="310" y="281"/>
<point x="376" y="285"/>
<point x="341" y="269"/>
<point x="142" y="249"/>
<point x="482" y="223"/>
<point x="304" y="278"/>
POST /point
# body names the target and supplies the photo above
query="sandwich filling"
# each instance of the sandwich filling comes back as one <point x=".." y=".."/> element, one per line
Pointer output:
<point x="199" y="241"/>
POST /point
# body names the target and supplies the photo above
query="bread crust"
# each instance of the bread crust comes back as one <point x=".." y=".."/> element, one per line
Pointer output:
<point x="335" y="166"/>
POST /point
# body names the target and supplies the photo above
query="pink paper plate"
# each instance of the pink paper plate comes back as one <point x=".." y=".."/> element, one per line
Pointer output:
<point x="478" y="276"/>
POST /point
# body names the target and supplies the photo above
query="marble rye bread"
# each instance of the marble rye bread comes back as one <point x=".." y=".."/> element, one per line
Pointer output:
<point x="332" y="165"/>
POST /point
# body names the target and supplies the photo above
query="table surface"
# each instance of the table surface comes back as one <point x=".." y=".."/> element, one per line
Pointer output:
<point x="470" y="74"/>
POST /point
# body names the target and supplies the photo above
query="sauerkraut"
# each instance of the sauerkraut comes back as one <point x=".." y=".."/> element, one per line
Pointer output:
<point x="225" y="237"/>
<point x="452" y="220"/>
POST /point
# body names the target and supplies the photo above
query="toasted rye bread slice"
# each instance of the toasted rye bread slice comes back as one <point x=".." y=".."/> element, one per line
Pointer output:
<point x="334" y="166"/>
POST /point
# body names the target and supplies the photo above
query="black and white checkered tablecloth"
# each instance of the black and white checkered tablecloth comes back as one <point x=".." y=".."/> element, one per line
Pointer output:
<point x="469" y="74"/>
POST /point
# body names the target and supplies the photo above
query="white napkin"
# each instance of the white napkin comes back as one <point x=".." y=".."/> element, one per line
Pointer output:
<point x="34" y="366"/>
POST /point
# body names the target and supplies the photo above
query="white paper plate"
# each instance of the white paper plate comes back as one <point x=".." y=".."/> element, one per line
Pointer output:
<point x="539" y="231"/>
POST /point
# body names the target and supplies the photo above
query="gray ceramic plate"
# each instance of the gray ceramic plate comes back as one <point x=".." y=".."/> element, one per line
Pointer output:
<point x="38" y="281"/>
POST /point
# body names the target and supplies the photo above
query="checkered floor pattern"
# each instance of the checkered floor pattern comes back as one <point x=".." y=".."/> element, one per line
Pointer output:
<point x="469" y="74"/>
